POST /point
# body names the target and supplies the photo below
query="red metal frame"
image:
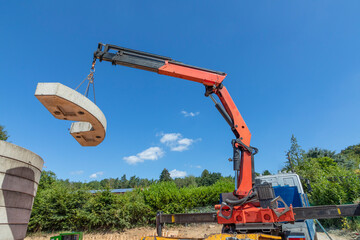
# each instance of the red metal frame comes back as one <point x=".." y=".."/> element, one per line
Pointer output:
<point x="250" y="213"/>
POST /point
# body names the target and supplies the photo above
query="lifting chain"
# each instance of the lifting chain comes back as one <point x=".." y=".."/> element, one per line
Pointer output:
<point x="90" y="79"/>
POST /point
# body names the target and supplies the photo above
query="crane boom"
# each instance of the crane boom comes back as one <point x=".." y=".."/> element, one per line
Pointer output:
<point x="243" y="153"/>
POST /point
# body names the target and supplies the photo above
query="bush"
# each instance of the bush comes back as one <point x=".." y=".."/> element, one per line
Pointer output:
<point x="58" y="207"/>
<point x="166" y="197"/>
<point x="331" y="184"/>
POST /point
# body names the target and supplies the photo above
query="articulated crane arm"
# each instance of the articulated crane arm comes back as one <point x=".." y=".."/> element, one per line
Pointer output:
<point x="251" y="207"/>
<point x="243" y="153"/>
<point x="242" y="206"/>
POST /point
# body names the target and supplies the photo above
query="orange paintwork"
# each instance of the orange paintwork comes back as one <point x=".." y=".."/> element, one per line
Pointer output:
<point x="192" y="74"/>
<point x="231" y="109"/>
<point x="245" y="181"/>
<point x="248" y="213"/>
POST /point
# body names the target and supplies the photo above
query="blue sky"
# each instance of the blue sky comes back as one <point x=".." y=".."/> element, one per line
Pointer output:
<point x="293" y="68"/>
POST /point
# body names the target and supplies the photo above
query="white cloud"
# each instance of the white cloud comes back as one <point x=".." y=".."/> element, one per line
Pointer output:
<point x="152" y="153"/>
<point x="177" y="174"/>
<point x="133" y="159"/>
<point x="170" y="137"/>
<point x="176" y="142"/>
<point x="97" y="174"/>
<point x="182" y="145"/>
<point x="79" y="172"/>
<point x="190" y="114"/>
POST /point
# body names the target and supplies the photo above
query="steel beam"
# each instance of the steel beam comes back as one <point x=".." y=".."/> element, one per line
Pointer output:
<point x="301" y="213"/>
<point x="327" y="211"/>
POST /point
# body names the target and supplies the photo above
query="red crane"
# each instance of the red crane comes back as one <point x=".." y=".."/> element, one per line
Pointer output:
<point x="243" y="153"/>
<point x="252" y="205"/>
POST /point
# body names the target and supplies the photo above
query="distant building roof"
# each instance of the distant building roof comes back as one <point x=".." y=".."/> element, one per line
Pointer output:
<point x="116" y="191"/>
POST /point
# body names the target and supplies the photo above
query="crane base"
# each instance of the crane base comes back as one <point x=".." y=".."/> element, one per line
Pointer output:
<point x="254" y="236"/>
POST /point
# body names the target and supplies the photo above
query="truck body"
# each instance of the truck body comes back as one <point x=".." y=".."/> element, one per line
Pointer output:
<point x="289" y="187"/>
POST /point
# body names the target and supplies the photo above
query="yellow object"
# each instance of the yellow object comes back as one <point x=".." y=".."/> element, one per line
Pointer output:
<point x="339" y="211"/>
<point x="254" y="236"/>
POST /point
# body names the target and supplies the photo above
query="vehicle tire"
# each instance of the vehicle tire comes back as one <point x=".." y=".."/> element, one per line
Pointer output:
<point x="228" y="228"/>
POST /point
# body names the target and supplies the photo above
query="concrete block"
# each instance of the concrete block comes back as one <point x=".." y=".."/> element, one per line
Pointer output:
<point x="67" y="104"/>
<point x="20" y="171"/>
<point x="12" y="231"/>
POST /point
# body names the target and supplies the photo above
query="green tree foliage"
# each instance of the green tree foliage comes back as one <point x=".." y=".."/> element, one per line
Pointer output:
<point x="347" y="158"/>
<point x="350" y="157"/>
<point x="352" y="151"/>
<point x="47" y="179"/>
<point x="134" y="181"/>
<point x="62" y="206"/>
<point x="165" y="176"/>
<point x="334" y="178"/>
<point x="319" y="153"/>
<point x="3" y="133"/>
<point x="111" y="183"/>
<point x="189" y="181"/>
<point x="294" y="154"/>
<point x="208" y="178"/>
<point x="266" y="172"/>
<point x="167" y="197"/>
<point x="124" y="183"/>
<point x="331" y="184"/>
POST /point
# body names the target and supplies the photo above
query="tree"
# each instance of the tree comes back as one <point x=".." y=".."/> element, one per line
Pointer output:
<point x="205" y="173"/>
<point x="330" y="183"/>
<point x="186" y="182"/>
<point x="144" y="182"/>
<point x="124" y="183"/>
<point x="349" y="157"/>
<point x="294" y="155"/>
<point x="3" y="134"/>
<point x="165" y="176"/>
<point x="266" y="172"/>
<point x="105" y="183"/>
<point x="134" y="181"/>
<point x="47" y="179"/>
<point x="208" y="179"/>
<point x="319" y="153"/>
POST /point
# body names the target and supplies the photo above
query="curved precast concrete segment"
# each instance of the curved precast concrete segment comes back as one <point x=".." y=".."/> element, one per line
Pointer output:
<point x="20" y="171"/>
<point x="67" y="104"/>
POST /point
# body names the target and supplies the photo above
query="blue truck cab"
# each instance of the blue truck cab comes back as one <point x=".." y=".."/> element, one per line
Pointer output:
<point x="288" y="186"/>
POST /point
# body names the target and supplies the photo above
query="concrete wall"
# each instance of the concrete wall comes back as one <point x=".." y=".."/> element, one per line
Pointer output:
<point x="20" y="171"/>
